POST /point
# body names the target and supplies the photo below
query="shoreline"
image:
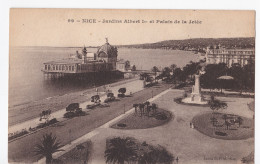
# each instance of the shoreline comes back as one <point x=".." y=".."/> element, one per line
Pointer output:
<point x="31" y="110"/>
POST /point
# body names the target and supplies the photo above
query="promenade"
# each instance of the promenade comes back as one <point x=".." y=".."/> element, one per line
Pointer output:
<point x="132" y="85"/>
<point x="21" y="150"/>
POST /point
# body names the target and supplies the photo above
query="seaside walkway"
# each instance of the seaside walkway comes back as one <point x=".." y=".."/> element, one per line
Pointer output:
<point x="21" y="150"/>
<point x="130" y="85"/>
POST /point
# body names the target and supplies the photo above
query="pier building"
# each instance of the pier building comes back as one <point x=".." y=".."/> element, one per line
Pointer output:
<point x="104" y="60"/>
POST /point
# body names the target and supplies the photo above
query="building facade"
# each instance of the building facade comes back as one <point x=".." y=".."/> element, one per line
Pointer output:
<point x="229" y="56"/>
<point x="103" y="60"/>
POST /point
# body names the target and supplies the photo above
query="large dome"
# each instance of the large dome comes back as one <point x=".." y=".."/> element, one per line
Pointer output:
<point x="107" y="49"/>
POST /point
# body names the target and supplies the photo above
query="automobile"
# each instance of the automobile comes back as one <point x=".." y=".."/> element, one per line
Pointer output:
<point x="103" y="105"/>
<point x="72" y="107"/>
<point x="91" y="106"/>
<point x="110" y="97"/>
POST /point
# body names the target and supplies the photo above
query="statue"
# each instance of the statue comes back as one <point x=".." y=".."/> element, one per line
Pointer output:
<point x="196" y="97"/>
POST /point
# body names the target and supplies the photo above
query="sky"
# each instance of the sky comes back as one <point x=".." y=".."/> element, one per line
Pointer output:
<point x="50" y="27"/>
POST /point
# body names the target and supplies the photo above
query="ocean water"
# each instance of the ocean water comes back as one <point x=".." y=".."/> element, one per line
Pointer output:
<point x="27" y="83"/>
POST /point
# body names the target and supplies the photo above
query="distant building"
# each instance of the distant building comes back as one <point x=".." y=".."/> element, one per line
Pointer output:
<point x="102" y="61"/>
<point x="229" y="56"/>
<point x="123" y="65"/>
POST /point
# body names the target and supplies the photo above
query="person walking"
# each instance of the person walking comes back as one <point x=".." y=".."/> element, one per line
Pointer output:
<point x="177" y="159"/>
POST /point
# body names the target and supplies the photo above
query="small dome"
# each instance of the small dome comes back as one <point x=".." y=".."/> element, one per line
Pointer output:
<point x="108" y="49"/>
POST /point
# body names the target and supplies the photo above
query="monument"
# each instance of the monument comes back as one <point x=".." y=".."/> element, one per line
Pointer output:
<point x="195" y="97"/>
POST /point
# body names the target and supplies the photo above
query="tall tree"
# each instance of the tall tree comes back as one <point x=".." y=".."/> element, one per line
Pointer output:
<point x="155" y="70"/>
<point x="120" y="150"/>
<point x="47" y="147"/>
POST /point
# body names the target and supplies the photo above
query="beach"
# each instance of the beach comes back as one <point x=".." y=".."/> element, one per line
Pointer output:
<point x="31" y="110"/>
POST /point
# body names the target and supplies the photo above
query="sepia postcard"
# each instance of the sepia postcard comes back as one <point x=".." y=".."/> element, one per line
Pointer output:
<point x="121" y="86"/>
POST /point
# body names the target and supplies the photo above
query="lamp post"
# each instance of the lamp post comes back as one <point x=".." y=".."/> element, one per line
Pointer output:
<point x="70" y="135"/>
<point x="152" y="93"/>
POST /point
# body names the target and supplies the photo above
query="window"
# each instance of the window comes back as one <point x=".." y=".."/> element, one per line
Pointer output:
<point x="72" y="68"/>
<point x="46" y="67"/>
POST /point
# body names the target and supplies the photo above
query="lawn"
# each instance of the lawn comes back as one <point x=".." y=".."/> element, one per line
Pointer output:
<point x="78" y="155"/>
<point x="135" y="121"/>
<point x="204" y="124"/>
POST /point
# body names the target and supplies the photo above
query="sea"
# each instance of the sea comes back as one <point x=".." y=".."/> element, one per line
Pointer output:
<point x="27" y="82"/>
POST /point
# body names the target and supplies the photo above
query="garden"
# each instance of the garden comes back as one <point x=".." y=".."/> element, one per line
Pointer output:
<point x="224" y="126"/>
<point x="129" y="150"/>
<point x="146" y="115"/>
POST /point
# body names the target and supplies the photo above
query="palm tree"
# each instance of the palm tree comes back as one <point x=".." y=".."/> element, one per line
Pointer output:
<point x="135" y="106"/>
<point x="239" y="120"/>
<point x="120" y="150"/>
<point x="154" y="107"/>
<point x="216" y="104"/>
<point x="225" y="117"/>
<point x="141" y="107"/>
<point x="156" y="155"/>
<point x="147" y="103"/>
<point x="228" y="124"/>
<point x="47" y="147"/>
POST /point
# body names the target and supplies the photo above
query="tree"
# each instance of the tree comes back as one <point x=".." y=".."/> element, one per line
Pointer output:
<point x="127" y="64"/>
<point x="47" y="147"/>
<point x="141" y="107"/>
<point x="135" y="106"/>
<point x="240" y="121"/>
<point x="155" y="70"/>
<point x="225" y="117"/>
<point x="172" y="67"/>
<point x="120" y="150"/>
<point x="212" y="72"/>
<point x="122" y="92"/>
<point x="143" y="76"/>
<point x="237" y="72"/>
<point x="166" y="72"/>
<point x="134" y="68"/>
<point x="216" y="104"/>
<point x="154" y="107"/>
<point x="228" y="124"/>
<point x="178" y="75"/>
<point x="147" y="103"/>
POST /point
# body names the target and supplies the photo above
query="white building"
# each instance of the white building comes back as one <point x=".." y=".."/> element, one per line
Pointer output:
<point x="229" y="56"/>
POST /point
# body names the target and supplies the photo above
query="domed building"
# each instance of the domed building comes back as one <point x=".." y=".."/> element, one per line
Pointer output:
<point x="104" y="60"/>
<point x="107" y="54"/>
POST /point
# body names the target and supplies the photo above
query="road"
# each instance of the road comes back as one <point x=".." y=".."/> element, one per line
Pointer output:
<point x="21" y="150"/>
<point x="132" y="86"/>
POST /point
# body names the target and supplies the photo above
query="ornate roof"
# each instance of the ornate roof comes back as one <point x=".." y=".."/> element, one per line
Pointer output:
<point x="108" y="49"/>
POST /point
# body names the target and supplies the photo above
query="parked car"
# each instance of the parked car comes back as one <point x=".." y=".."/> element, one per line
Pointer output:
<point x="110" y="97"/>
